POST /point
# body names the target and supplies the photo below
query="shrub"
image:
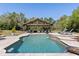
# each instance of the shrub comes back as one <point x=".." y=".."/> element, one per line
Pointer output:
<point x="13" y="29"/>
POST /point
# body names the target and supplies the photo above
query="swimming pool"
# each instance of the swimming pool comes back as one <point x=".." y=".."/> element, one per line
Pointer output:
<point x="36" y="43"/>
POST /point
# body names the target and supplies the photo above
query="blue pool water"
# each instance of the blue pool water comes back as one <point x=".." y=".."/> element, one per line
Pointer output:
<point x="38" y="43"/>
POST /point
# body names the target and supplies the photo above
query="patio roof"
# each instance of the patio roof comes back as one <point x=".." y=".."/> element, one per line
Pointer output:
<point x="37" y="22"/>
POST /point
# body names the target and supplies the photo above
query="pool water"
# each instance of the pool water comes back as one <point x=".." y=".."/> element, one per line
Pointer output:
<point x="37" y="43"/>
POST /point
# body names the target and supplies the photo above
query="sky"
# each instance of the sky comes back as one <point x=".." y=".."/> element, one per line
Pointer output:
<point x="54" y="10"/>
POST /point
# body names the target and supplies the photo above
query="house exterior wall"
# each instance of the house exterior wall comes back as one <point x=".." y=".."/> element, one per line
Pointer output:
<point x="38" y="26"/>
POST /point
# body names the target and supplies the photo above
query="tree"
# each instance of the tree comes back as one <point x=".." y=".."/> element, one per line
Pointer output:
<point x="62" y="23"/>
<point x="74" y="20"/>
<point x="9" y="20"/>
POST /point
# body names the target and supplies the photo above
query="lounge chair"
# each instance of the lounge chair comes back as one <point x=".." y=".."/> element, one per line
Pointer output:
<point x="65" y="32"/>
<point x="62" y="32"/>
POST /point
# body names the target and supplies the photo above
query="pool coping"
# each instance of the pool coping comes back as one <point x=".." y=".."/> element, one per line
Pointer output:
<point x="38" y="54"/>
